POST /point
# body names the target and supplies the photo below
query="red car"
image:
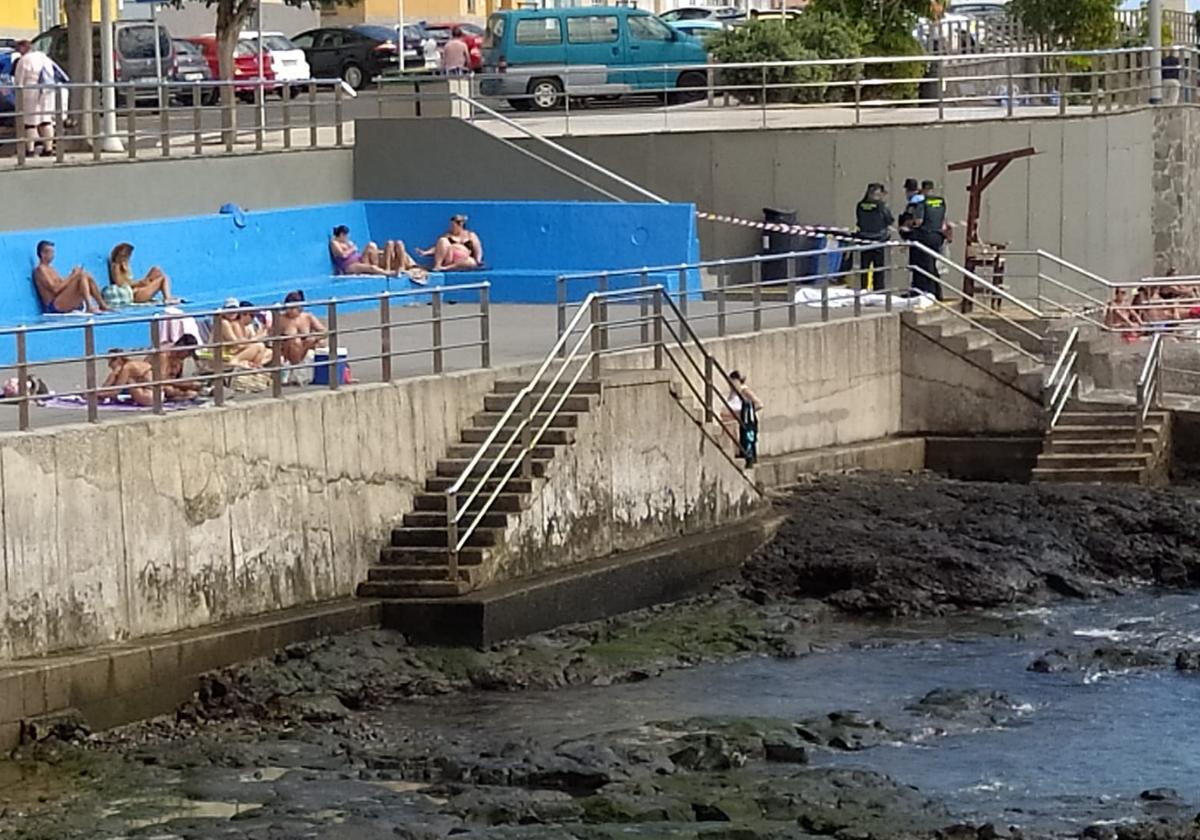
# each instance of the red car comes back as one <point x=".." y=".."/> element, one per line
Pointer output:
<point x="245" y="63"/>
<point x="472" y="34"/>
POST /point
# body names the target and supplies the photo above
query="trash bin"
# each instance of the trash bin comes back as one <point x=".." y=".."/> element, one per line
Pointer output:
<point x="779" y="243"/>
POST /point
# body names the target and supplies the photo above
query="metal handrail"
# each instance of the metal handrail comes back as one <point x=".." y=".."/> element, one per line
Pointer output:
<point x="1149" y="385"/>
<point x="1061" y="383"/>
<point x="461" y="523"/>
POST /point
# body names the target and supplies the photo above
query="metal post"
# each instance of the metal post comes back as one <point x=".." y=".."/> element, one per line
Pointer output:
<point x="560" y="293"/>
<point x="1156" y="26"/>
<point x="1063" y="84"/>
<point x="887" y="299"/>
<point x="131" y="120"/>
<point x="941" y="90"/>
<point x="218" y="352"/>
<point x="276" y="356"/>
<point x="197" y="121"/>
<point x="756" y="294"/>
<point x="19" y="126"/>
<point x="156" y="370"/>
<point x="22" y="382"/>
<point x="108" y="140"/>
<point x="60" y="128"/>
<point x="437" y="331"/>
<point x="385" y="337"/>
<point x="526" y="435"/>
<point x="164" y="117"/>
<point x="644" y="309"/>
<point x="92" y="119"/>
<point x="825" y="298"/>
<point x="338" y="128"/>
<point x="683" y="293"/>
<point x="229" y="117"/>
<point x="721" y="279"/>
<point x="260" y="112"/>
<point x="452" y="532"/>
<point x="566" y="95"/>
<point x="710" y="395"/>
<point x="1011" y="82"/>
<point x="1108" y="83"/>
<point x="857" y="301"/>
<point x="791" y="290"/>
<point x="604" y="311"/>
<point x="485" y="328"/>
<point x="658" y="328"/>
<point x="89" y="350"/>
<point x="312" y="114"/>
<point x="710" y="83"/>
<point x="763" y="101"/>
<point x="332" y="363"/>
<point x="594" y="314"/>
<point x="858" y="74"/>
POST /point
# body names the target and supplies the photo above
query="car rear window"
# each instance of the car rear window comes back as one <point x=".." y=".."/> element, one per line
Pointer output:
<point x="539" y="31"/>
<point x="592" y="29"/>
<point x="138" y="41"/>
<point x="277" y="43"/>
<point x="495" y="32"/>
<point x="379" y="33"/>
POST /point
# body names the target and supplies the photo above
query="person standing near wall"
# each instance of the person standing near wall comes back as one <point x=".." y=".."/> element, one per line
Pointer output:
<point x="929" y="227"/>
<point x="874" y="219"/>
<point x="38" y="77"/>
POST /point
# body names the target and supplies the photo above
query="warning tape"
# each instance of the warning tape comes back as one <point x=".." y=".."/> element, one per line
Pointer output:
<point x="839" y="234"/>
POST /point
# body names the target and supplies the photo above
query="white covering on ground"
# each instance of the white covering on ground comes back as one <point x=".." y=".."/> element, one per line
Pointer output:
<point x="842" y="296"/>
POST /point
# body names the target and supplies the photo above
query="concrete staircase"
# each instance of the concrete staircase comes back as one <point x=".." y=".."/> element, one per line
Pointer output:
<point x="1095" y="442"/>
<point x="968" y="341"/>
<point x="416" y="562"/>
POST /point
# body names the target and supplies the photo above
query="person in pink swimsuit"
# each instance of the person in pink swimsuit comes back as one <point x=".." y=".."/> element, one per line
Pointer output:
<point x="458" y="249"/>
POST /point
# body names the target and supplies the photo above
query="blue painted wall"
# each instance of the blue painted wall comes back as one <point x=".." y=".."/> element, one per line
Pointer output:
<point x="526" y="246"/>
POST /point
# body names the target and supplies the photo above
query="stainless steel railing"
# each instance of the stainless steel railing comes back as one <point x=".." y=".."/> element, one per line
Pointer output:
<point x="576" y="355"/>
<point x="1149" y="388"/>
<point x="1062" y="383"/>
<point x="216" y="374"/>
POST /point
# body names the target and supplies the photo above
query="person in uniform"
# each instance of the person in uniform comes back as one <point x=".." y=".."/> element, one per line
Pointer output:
<point x="874" y="219"/>
<point x="928" y="226"/>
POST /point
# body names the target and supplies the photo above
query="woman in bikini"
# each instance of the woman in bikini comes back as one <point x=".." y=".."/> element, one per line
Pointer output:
<point x="391" y="261"/>
<point x="121" y="274"/>
<point x="458" y="249"/>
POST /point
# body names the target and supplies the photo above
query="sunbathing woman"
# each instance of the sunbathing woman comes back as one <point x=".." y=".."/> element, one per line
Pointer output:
<point x="144" y="290"/>
<point x="458" y="249"/>
<point x="240" y="345"/>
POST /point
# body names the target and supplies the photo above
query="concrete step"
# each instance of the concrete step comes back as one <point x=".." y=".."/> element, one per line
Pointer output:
<point x="430" y="537"/>
<point x="562" y="420"/>
<point x="1081" y="445"/>
<point x="1122" y="419"/>
<point x="1093" y="460"/>
<point x="512" y="386"/>
<point x="1075" y="432"/>
<point x="442" y="483"/>
<point x="430" y="556"/>
<point x="470" y="574"/>
<point x="453" y="467"/>
<point x="551" y="437"/>
<point x="467" y="451"/>
<point x="504" y="503"/>
<point x="575" y="402"/>
<point x="1114" y="475"/>
<point x="413" y="589"/>
<point x="437" y="519"/>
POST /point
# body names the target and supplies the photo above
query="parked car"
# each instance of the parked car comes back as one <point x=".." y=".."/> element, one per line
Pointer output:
<point x="288" y="61"/>
<point x="414" y="39"/>
<point x="472" y="34"/>
<point x="612" y="51"/>
<point x="8" y="99"/>
<point x="133" y="52"/>
<point x="7" y="43"/>
<point x="701" y="28"/>
<point x="356" y="55"/>
<point x="245" y="64"/>
<point x="702" y="13"/>
<point x="193" y="67"/>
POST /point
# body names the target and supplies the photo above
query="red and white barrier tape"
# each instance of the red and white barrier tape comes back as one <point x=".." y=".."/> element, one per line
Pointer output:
<point x="838" y="234"/>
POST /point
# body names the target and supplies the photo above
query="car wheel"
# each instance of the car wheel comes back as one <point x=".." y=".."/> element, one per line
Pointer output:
<point x="546" y="94"/>
<point x="353" y="75"/>
<point x="691" y="87"/>
<point x="210" y="97"/>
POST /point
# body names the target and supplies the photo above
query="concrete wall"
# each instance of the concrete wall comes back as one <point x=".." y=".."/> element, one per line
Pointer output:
<point x="147" y="189"/>
<point x="624" y="485"/>
<point x="1176" y="208"/>
<point x="1087" y="196"/>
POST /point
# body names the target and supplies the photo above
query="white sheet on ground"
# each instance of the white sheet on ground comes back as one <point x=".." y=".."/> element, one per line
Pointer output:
<point x="840" y="296"/>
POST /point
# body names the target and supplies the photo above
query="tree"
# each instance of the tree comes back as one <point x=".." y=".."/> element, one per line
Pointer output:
<point x="79" y="50"/>
<point x="883" y="16"/>
<point x="1075" y="24"/>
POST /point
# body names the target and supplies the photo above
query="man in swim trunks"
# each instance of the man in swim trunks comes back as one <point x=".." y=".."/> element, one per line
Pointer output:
<point x="302" y="331"/>
<point x="62" y="295"/>
<point x="458" y="249"/>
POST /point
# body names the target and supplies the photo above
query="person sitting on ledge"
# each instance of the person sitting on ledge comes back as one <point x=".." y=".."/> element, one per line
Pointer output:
<point x="60" y="295"/>
<point x="144" y="290"/>
<point x="302" y="331"/>
<point x="458" y="249"/>
<point x="234" y="326"/>
<point x="1119" y="316"/>
<point x="170" y="368"/>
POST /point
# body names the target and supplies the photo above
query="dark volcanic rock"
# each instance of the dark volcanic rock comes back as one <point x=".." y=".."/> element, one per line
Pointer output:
<point x="918" y="544"/>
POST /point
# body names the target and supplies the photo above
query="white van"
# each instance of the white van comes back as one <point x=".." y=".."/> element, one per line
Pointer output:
<point x="287" y="60"/>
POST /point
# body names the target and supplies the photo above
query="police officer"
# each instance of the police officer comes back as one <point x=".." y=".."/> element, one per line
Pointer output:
<point x="929" y="227"/>
<point x="912" y="195"/>
<point x="874" y="219"/>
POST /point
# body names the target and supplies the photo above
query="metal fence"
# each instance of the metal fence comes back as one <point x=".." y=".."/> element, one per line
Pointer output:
<point x="220" y="368"/>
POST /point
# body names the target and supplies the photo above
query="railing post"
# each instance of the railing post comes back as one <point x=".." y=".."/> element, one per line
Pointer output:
<point x="756" y="295"/>
<point x="560" y="295"/>
<point x="218" y="353"/>
<point x="604" y="311"/>
<point x="721" y="279"/>
<point x="60" y="128"/>
<point x="452" y="533"/>
<point x="19" y="125"/>
<point x="338" y="128"/>
<point x="683" y="292"/>
<point x="1109" y="95"/>
<point x="711" y="82"/>
<point x="825" y="298"/>
<point x="197" y="121"/>
<point x="89" y="350"/>
<point x="22" y="381"/>
<point x="1010" y="82"/>
<point x="485" y="327"/>
<point x="156" y="371"/>
<point x="658" y="328"/>
<point x="438" y="359"/>
<point x="131" y="121"/>
<point x="1063" y="83"/>
<point x="385" y="338"/>
<point x="791" y="289"/>
<point x="857" y="301"/>
<point x="594" y="314"/>
<point x="260" y="114"/>
<point x="941" y="89"/>
<point x="164" y="118"/>
<point x="644" y="311"/>
<point x="526" y="452"/>
<point x="763" y="100"/>
<point x="1095" y="86"/>
<point x="229" y="117"/>
<point x="332" y="362"/>
<point x="312" y="115"/>
<point x="285" y="94"/>
<point x="276" y="339"/>
<point x="858" y="80"/>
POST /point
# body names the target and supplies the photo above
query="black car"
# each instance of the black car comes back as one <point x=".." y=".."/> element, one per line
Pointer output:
<point x="193" y="67"/>
<point x="355" y="54"/>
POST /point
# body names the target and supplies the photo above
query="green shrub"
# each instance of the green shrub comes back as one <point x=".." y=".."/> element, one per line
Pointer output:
<point x="768" y="40"/>
<point x="895" y="42"/>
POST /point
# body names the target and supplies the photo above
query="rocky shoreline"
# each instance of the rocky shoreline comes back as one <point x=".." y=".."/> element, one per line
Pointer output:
<point x="315" y="741"/>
